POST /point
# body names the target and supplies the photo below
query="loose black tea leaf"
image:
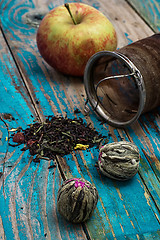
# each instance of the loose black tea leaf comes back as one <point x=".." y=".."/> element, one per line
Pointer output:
<point x="57" y="136"/>
<point x="52" y="166"/>
<point x="77" y="110"/>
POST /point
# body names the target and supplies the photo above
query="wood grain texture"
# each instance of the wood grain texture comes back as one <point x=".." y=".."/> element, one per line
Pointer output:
<point x="127" y="210"/>
<point x="149" y="10"/>
<point x="28" y="190"/>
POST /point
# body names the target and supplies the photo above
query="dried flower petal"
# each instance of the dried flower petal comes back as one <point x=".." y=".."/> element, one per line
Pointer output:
<point x="18" y="137"/>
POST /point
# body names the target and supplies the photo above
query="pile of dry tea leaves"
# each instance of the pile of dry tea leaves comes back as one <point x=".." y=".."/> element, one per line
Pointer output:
<point x="56" y="136"/>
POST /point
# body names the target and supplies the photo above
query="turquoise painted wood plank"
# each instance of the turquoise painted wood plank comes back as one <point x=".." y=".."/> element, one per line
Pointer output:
<point x="28" y="190"/>
<point x="150" y="148"/>
<point x="149" y="10"/>
<point x="59" y="96"/>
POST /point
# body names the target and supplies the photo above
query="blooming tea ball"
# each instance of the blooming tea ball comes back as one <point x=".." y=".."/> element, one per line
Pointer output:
<point x="77" y="199"/>
<point x="119" y="160"/>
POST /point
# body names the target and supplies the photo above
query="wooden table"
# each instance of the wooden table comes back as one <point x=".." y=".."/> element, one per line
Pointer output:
<point x="31" y="90"/>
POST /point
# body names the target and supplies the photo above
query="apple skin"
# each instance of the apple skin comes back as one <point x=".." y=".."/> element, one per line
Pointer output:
<point x="67" y="47"/>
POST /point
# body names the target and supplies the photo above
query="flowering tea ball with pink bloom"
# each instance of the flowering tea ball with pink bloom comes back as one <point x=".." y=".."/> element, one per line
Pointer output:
<point x="77" y="199"/>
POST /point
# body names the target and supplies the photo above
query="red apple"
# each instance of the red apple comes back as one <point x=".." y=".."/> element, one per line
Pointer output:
<point x="66" y="40"/>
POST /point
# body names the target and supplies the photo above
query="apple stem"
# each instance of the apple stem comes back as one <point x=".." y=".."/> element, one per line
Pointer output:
<point x="68" y="8"/>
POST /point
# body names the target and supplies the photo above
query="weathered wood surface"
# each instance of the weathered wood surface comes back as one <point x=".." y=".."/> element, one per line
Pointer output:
<point x="28" y="190"/>
<point x="125" y="210"/>
<point x="149" y="10"/>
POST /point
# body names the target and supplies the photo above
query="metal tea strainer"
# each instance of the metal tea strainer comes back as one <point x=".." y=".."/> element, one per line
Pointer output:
<point x="119" y="85"/>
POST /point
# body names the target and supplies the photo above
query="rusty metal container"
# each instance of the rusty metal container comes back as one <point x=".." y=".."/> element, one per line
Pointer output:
<point x="123" y="84"/>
